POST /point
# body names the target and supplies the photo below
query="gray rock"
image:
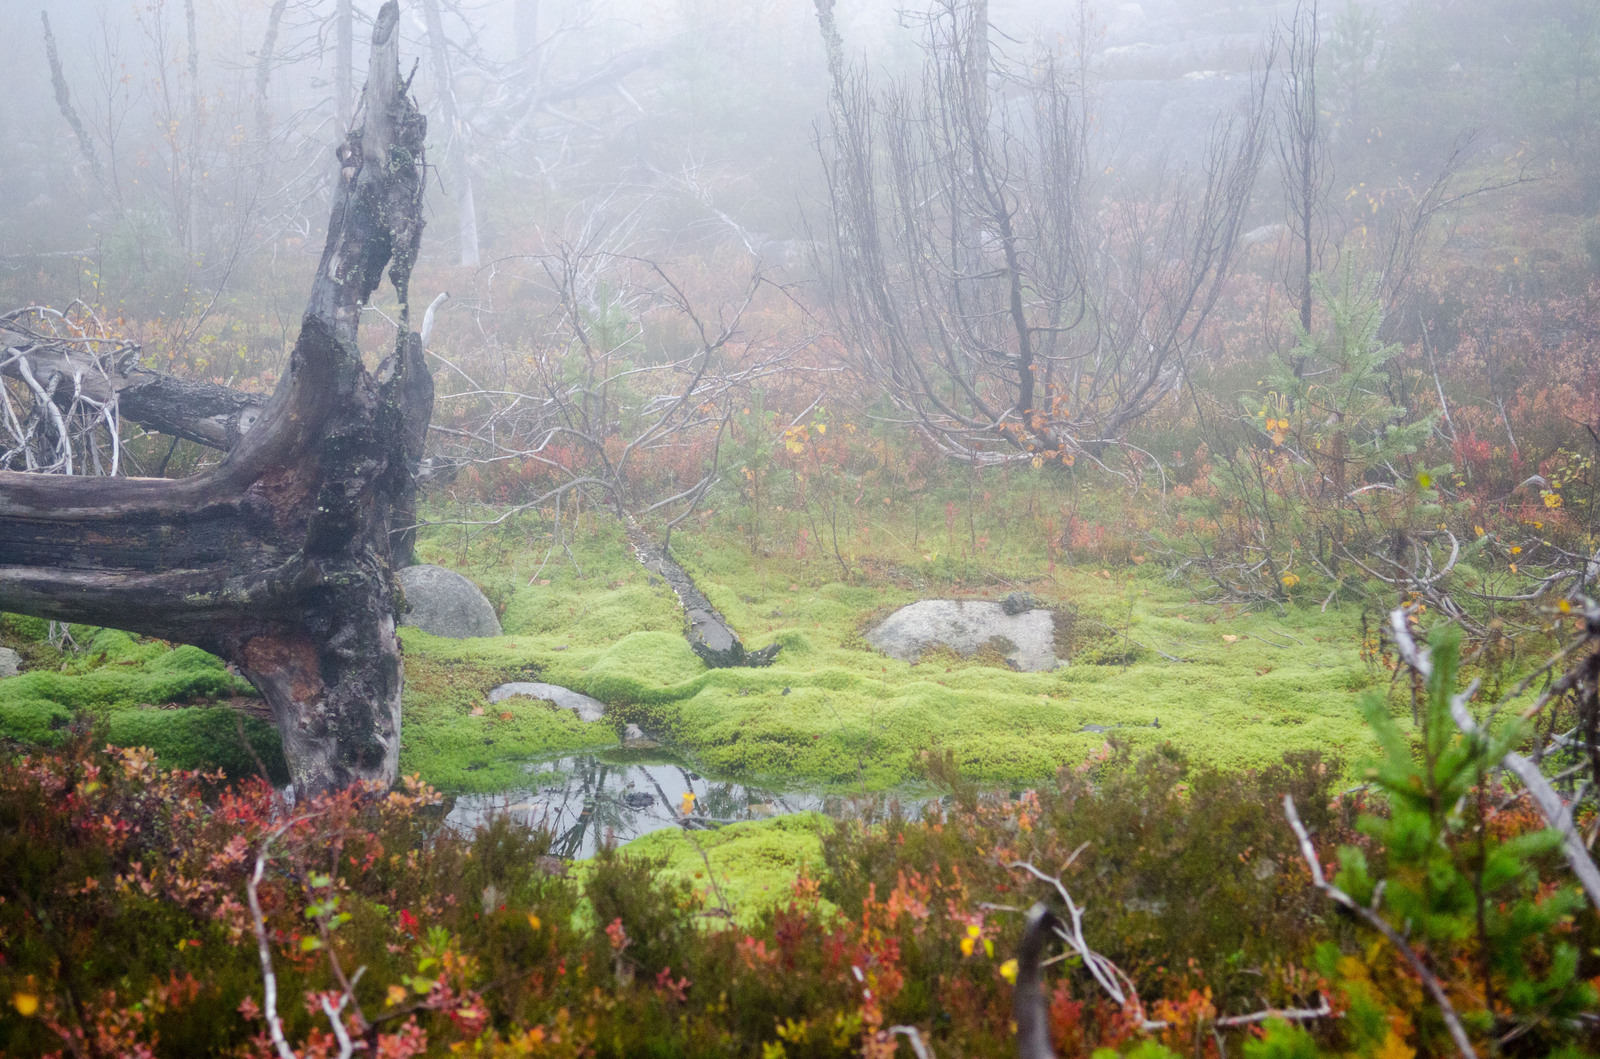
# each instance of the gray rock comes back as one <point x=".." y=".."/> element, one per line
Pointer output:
<point x="1018" y="603"/>
<point x="10" y="662"/>
<point x="562" y="698"/>
<point x="633" y="738"/>
<point x="444" y="603"/>
<point x="965" y="626"/>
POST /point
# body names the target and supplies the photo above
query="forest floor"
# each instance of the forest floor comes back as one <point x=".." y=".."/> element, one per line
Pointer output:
<point x="1148" y="663"/>
<point x="832" y="713"/>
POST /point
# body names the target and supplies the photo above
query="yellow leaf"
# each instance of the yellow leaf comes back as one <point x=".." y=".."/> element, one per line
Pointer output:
<point x="1394" y="1048"/>
<point x="966" y="946"/>
<point x="973" y="931"/>
<point x="396" y="995"/>
<point x="25" y="1003"/>
<point x="822" y="428"/>
<point x="1008" y="971"/>
<point x="1228" y="637"/>
<point x="533" y="921"/>
<point x="688" y="803"/>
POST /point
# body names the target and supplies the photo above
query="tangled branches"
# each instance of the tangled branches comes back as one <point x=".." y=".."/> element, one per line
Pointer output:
<point x="628" y="392"/>
<point x="1007" y="309"/>
<point x="58" y="404"/>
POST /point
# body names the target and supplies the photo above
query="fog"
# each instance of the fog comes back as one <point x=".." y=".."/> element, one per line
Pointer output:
<point x="718" y="104"/>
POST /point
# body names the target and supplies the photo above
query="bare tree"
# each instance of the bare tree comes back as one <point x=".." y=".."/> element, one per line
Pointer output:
<point x="58" y="80"/>
<point x="597" y="407"/>
<point x="344" y="21"/>
<point x="1302" y="150"/>
<point x="1007" y="311"/>
<point x="278" y="559"/>
<point x="264" y="62"/>
<point x="455" y="135"/>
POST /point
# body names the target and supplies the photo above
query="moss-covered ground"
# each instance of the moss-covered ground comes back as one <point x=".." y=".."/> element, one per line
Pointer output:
<point x="746" y="869"/>
<point x="1246" y="686"/>
<point x="1148" y="660"/>
<point x="1148" y="663"/>
<point x="143" y="693"/>
<point x="831" y="712"/>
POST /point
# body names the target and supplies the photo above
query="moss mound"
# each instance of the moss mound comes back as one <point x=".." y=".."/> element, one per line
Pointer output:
<point x="455" y="739"/>
<point x="145" y="692"/>
<point x="752" y="866"/>
<point x="1150" y="665"/>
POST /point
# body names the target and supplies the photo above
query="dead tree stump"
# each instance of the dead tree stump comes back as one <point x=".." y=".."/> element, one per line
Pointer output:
<point x="279" y="559"/>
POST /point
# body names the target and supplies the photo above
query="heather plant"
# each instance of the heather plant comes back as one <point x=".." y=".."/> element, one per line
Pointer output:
<point x="145" y="911"/>
<point x="1186" y="871"/>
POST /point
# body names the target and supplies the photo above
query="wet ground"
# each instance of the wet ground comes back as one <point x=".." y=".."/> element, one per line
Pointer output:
<point x="588" y="799"/>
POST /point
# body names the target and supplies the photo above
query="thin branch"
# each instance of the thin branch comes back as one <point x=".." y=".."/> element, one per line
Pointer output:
<point x="1430" y="982"/>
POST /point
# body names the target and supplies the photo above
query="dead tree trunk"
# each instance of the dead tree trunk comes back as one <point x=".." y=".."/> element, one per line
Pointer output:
<point x="278" y="560"/>
<point x="709" y="634"/>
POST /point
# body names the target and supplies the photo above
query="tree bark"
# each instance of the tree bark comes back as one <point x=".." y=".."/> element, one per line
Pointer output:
<point x="278" y="559"/>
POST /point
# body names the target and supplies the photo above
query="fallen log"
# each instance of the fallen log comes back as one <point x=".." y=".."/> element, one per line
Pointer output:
<point x="709" y="634"/>
<point x="203" y="412"/>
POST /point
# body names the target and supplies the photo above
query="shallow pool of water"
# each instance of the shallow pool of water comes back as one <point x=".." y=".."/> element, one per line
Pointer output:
<point x="588" y="799"/>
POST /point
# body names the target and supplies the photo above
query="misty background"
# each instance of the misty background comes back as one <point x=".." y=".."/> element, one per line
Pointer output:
<point x="169" y="169"/>
<point x="210" y="122"/>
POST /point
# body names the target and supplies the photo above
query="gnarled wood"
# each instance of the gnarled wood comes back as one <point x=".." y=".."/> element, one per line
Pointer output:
<point x="279" y="558"/>
<point x="203" y="412"/>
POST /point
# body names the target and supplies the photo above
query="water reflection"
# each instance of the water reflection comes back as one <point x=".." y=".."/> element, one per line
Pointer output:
<point x="588" y="799"/>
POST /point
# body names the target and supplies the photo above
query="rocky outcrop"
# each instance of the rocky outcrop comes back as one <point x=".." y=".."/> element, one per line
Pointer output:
<point x="444" y="603"/>
<point x="587" y="709"/>
<point x="1022" y="633"/>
